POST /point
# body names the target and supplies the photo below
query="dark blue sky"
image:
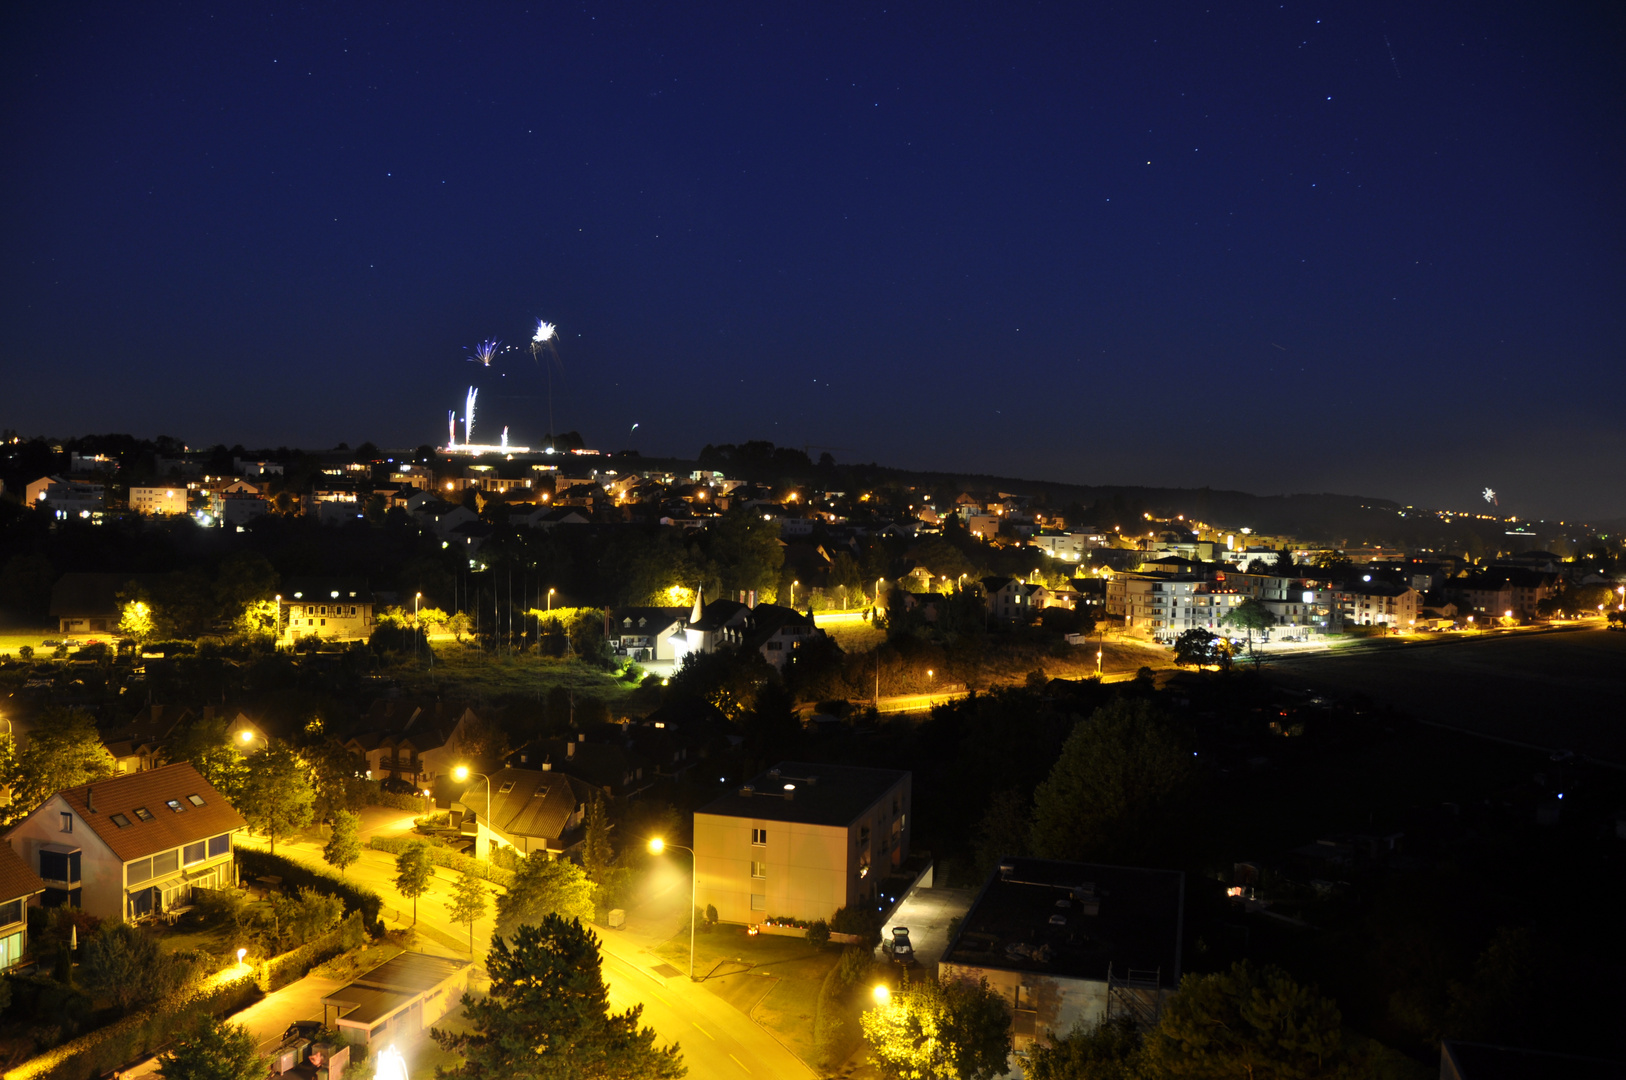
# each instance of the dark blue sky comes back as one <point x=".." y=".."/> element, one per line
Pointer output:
<point x="1361" y="248"/>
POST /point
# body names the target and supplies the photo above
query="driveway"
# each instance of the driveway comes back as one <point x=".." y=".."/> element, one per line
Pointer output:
<point x="927" y="913"/>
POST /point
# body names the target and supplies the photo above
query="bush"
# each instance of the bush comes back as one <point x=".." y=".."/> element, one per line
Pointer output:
<point x="41" y="1001"/>
<point x="395" y="800"/>
<point x="99" y="1052"/>
<point x="256" y="863"/>
<point x="26" y="652"/>
<point x="441" y="855"/>
<point x="860" y="921"/>
<point x="835" y="1028"/>
<point x="818" y="935"/>
<point x="292" y="966"/>
<point x="506" y="858"/>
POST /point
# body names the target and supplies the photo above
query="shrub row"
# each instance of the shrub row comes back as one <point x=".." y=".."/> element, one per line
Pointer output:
<point x="441" y="855"/>
<point x="142" y="1032"/>
<point x="295" y="964"/>
<point x="395" y="800"/>
<point x="256" y="863"/>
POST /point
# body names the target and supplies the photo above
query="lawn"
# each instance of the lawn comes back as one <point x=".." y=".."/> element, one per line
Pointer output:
<point x="774" y="980"/>
<point x="466" y="671"/>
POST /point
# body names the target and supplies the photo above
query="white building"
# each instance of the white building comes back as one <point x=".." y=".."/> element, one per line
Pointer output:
<point x="158" y="500"/>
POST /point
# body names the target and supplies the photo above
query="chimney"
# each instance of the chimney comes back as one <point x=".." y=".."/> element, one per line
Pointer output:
<point x="90" y="800"/>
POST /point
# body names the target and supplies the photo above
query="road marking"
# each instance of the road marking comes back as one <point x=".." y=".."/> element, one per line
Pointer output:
<point x="740" y="1063"/>
<point x="704" y="1032"/>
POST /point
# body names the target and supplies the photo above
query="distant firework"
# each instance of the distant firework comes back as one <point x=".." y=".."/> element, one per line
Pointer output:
<point x="468" y="415"/>
<point x="545" y="331"/>
<point x="484" y="351"/>
<point x="1490" y="497"/>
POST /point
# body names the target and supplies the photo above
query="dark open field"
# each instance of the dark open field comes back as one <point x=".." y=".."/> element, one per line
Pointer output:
<point x="1558" y="690"/>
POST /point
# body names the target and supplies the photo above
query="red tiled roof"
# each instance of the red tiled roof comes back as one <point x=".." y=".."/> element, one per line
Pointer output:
<point x="16" y="879"/>
<point x="153" y="791"/>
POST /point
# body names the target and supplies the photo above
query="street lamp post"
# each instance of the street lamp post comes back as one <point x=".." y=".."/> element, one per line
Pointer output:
<point x="461" y="773"/>
<point x="550" y="599"/>
<point x="276" y="640"/>
<point x="417" y="632"/>
<point x="793" y="592"/>
<point x="248" y="736"/>
<point x="656" y="846"/>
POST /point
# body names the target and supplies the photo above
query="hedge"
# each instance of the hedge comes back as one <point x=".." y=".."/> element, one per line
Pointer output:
<point x="441" y="855"/>
<point x="140" y="1033"/>
<point x="256" y="863"/>
<point x="395" y="800"/>
<point x="291" y="966"/>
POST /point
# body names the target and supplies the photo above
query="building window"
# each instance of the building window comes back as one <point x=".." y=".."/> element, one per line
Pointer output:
<point x="166" y="863"/>
<point x="121" y="821"/>
<point x="11" y="913"/>
<point x="759" y="902"/>
<point x="193" y="853"/>
<point x="67" y="822"/>
<point x="11" y="949"/>
<point x="138" y="871"/>
<point x="195" y="800"/>
<point x="759" y="869"/>
<point x="143" y="813"/>
<point x="759" y="837"/>
<point x="175" y="805"/>
<point x="219" y="845"/>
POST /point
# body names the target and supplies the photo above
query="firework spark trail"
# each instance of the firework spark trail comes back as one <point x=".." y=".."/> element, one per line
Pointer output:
<point x="545" y="331"/>
<point x="1392" y="59"/>
<point x="468" y="416"/>
<point x="484" y="351"/>
<point x="543" y="340"/>
<point x="451" y="427"/>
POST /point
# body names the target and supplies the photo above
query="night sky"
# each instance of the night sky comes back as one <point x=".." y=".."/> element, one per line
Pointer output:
<point x="1365" y="248"/>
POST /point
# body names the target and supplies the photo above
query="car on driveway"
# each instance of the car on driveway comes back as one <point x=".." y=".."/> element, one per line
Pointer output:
<point x="901" y="951"/>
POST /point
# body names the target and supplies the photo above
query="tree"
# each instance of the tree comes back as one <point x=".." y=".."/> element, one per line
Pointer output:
<point x="135" y="621"/>
<point x="64" y="751"/>
<point x="344" y="846"/>
<point x="1003" y="830"/>
<point x="544" y="887"/>
<point x="413" y="873"/>
<point x="1111" y="1050"/>
<point x="1198" y="647"/>
<point x="746" y="552"/>
<point x="953" y="1030"/>
<point x="1113" y="787"/>
<point x="1250" y="615"/>
<point x="277" y="796"/>
<point x="245" y="581"/>
<point x="547" y="1016"/>
<point x="212" y="752"/>
<point x="335" y="778"/>
<point x="468" y="904"/>
<point x="771" y="727"/>
<point x="310" y="914"/>
<point x="214" y="1051"/>
<point x="1246" y="1022"/>
<point x="127" y="967"/>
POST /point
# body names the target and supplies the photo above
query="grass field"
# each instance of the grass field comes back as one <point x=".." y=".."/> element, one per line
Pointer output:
<point x="1555" y="690"/>
<point x="468" y="671"/>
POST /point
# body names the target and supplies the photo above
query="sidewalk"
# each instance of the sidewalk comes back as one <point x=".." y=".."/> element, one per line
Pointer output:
<point x="269" y="1017"/>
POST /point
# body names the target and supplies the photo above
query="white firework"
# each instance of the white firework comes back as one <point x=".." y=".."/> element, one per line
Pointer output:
<point x="545" y="331"/>
<point x="468" y="416"/>
<point x="451" y="427"/>
<point x="484" y="351"/>
<point x="1490" y="496"/>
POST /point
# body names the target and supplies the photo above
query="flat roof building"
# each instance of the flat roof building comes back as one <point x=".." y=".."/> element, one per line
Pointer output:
<point x="395" y="1002"/>
<point x="801" y="841"/>
<point x="1067" y="943"/>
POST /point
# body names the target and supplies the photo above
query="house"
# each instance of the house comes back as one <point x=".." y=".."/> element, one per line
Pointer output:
<point x="801" y="841"/>
<point x="1503" y="589"/>
<point x="66" y="498"/>
<point x="546" y="517"/>
<point x="396" y="1002"/>
<point x="533" y="811"/>
<point x="1012" y="599"/>
<point x="18" y="887"/>
<point x="326" y="607"/>
<point x="776" y="632"/>
<point x="613" y="769"/>
<point x="647" y="633"/>
<point x="87" y="603"/>
<point x="158" y="500"/>
<point x="237" y="508"/>
<point x="1068" y="944"/>
<point x="716" y="625"/>
<point x="133" y="845"/>
<point x="416" y="740"/>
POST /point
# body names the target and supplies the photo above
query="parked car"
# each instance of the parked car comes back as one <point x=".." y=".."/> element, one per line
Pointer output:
<point x="901" y="950"/>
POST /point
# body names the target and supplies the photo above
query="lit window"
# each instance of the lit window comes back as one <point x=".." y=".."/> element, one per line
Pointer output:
<point x="759" y="869"/>
<point x="143" y="813"/>
<point x="175" y="805"/>
<point x="195" y="800"/>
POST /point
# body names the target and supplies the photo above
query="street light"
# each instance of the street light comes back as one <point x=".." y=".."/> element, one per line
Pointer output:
<point x="550" y="599"/>
<point x="793" y="592"/>
<point x="278" y="638"/>
<point x="883" y="994"/>
<point x="416" y="632"/>
<point x="248" y="736"/>
<point x="461" y="773"/>
<point x="656" y="846"/>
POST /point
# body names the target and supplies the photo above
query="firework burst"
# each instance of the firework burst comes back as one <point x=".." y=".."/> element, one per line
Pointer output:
<point x="484" y="351"/>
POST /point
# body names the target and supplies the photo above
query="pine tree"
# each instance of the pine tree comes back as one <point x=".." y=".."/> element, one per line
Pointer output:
<point x="214" y="1051"/>
<point x="547" y="1016"/>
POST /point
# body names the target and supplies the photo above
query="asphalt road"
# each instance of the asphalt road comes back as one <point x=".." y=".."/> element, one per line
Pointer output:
<point x="718" y="1040"/>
